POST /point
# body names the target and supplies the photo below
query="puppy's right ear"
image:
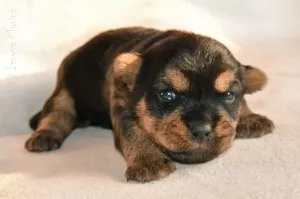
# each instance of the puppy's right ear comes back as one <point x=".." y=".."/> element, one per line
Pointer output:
<point x="255" y="79"/>
<point x="126" y="67"/>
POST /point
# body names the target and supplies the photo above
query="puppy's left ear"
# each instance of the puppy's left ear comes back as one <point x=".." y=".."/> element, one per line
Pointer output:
<point x="125" y="69"/>
<point x="255" y="79"/>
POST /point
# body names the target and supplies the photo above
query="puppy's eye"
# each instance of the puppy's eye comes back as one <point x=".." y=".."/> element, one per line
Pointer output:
<point x="228" y="97"/>
<point x="167" y="95"/>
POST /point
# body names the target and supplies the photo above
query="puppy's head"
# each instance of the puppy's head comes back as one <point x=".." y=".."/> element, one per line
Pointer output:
<point x="186" y="95"/>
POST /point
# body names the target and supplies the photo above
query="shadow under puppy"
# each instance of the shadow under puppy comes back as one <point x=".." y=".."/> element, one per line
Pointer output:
<point x="167" y="95"/>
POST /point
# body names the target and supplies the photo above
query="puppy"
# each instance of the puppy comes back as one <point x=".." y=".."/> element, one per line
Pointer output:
<point x="167" y="95"/>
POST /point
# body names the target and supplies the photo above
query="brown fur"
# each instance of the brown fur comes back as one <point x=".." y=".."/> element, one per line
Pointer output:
<point x="177" y="80"/>
<point x="116" y="80"/>
<point x="146" y="121"/>
<point x="223" y="81"/>
<point x="55" y="120"/>
<point x="252" y="125"/>
<point x="224" y="131"/>
<point x="256" y="79"/>
<point x="55" y="125"/>
<point x="170" y="132"/>
<point x="145" y="161"/>
<point x="126" y="67"/>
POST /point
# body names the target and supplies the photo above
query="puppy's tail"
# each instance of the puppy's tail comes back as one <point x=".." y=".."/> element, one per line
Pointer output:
<point x="34" y="120"/>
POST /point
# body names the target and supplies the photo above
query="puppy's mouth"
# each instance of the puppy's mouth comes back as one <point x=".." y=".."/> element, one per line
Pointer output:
<point x="193" y="156"/>
<point x="206" y="150"/>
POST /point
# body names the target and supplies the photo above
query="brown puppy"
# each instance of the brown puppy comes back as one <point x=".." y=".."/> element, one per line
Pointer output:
<point x="167" y="95"/>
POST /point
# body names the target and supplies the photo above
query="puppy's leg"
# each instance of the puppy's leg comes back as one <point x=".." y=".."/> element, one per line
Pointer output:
<point x="252" y="125"/>
<point x="145" y="161"/>
<point x="34" y="120"/>
<point x="54" y="124"/>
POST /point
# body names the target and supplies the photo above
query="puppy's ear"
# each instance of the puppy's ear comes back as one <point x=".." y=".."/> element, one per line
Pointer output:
<point x="255" y="79"/>
<point x="126" y="67"/>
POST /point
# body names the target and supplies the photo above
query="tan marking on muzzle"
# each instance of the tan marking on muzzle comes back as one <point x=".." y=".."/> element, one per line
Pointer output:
<point x="225" y="131"/>
<point x="169" y="132"/>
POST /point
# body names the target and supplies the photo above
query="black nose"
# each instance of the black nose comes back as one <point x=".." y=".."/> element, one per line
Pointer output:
<point x="201" y="132"/>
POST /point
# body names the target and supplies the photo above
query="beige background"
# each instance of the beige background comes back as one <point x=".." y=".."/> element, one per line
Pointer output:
<point x="36" y="35"/>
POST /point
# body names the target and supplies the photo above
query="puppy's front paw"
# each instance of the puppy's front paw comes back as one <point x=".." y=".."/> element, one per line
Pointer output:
<point x="150" y="170"/>
<point x="42" y="141"/>
<point x="254" y="126"/>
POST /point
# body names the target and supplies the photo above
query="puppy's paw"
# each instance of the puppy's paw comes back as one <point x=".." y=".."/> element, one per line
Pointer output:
<point x="42" y="141"/>
<point x="150" y="170"/>
<point x="254" y="126"/>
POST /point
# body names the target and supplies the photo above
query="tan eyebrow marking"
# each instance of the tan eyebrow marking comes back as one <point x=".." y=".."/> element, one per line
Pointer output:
<point x="177" y="79"/>
<point x="223" y="81"/>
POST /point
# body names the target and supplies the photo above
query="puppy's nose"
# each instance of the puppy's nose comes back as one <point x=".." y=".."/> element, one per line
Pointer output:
<point x="202" y="132"/>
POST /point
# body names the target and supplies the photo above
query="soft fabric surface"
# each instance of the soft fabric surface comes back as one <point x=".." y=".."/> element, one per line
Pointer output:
<point x="36" y="35"/>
